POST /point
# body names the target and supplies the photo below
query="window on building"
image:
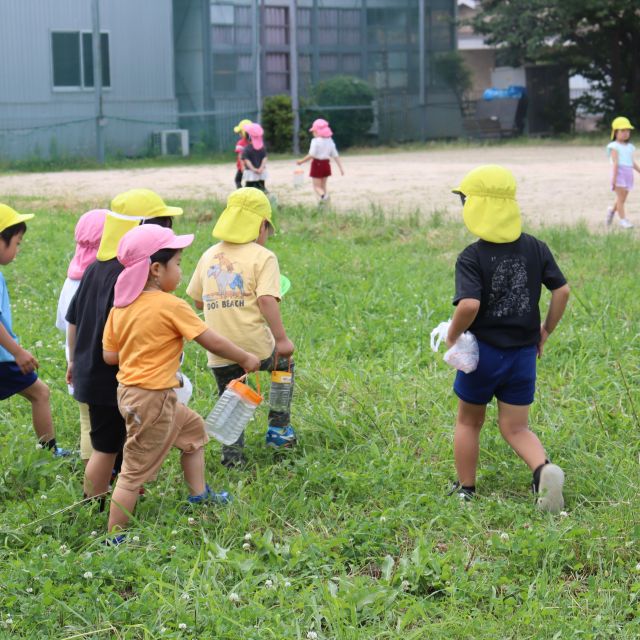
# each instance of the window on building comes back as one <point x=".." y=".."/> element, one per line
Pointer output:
<point x="441" y="30"/>
<point x="276" y="26"/>
<point x="387" y="26"/>
<point x="276" y="73"/>
<point x="304" y="27"/>
<point x="349" y="23"/>
<point x="327" y="27"/>
<point x="327" y="64"/>
<point x="231" y="25"/>
<point x="233" y="73"/>
<point x="72" y="54"/>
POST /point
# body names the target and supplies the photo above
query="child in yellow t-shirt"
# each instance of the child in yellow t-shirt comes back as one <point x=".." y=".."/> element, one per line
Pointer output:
<point x="237" y="284"/>
<point x="144" y="336"/>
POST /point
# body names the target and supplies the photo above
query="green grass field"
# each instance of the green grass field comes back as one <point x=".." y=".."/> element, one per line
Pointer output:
<point x="350" y="536"/>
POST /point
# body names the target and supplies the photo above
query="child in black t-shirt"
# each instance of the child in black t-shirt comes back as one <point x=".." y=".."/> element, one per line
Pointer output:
<point x="498" y="285"/>
<point x="254" y="157"/>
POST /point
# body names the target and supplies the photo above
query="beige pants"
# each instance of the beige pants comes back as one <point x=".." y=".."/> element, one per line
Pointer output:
<point x="85" y="428"/>
<point x="155" y="422"/>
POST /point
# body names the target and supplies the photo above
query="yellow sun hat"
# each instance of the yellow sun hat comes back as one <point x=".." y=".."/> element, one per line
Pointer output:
<point x="239" y="128"/>
<point x="9" y="217"/>
<point x="128" y="210"/>
<point x="241" y="220"/>
<point x="620" y="123"/>
<point x="491" y="211"/>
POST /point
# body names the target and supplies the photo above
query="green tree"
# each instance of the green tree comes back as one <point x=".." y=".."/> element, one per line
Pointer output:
<point x="452" y="70"/>
<point x="277" y="121"/>
<point x="597" y="39"/>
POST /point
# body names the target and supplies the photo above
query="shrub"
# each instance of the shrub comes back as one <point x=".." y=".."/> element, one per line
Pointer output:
<point x="350" y="125"/>
<point x="277" y="122"/>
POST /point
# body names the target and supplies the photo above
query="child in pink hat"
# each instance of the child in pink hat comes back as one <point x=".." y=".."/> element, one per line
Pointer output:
<point x="87" y="234"/>
<point x="144" y="336"/>
<point x="254" y="157"/>
<point x="321" y="151"/>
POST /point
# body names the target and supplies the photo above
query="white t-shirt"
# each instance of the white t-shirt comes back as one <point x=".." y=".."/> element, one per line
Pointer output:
<point x="69" y="289"/>
<point x="323" y="149"/>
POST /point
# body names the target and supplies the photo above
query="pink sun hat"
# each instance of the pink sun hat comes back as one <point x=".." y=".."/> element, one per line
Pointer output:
<point x="322" y="128"/>
<point x="87" y="234"/>
<point x="134" y="253"/>
<point x="256" y="132"/>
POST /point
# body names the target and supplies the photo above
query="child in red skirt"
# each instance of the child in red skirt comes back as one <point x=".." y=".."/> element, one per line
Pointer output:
<point x="322" y="149"/>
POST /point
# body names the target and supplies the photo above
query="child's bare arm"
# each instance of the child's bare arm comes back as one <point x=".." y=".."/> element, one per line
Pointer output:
<point x="305" y="159"/>
<point x="463" y="317"/>
<point x="71" y="345"/>
<point x="557" y="305"/>
<point x="111" y="357"/>
<point x="24" y="359"/>
<point x="270" y="309"/>
<point x="248" y="165"/>
<point x="339" y="163"/>
<point x="614" y="159"/>
<point x="219" y="345"/>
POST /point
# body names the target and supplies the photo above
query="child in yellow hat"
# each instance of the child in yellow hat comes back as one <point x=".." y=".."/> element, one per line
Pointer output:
<point x="241" y="145"/>
<point x="237" y="284"/>
<point x="498" y="285"/>
<point x="94" y="381"/>
<point x="621" y="151"/>
<point x="18" y="366"/>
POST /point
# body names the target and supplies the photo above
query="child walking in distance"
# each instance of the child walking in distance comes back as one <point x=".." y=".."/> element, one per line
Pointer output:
<point x="621" y="153"/>
<point x="144" y="336"/>
<point x="88" y="233"/>
<point x="241" y="144"/>
<point x="498" y="285"/>
<point x="321" y="151"/>
<point x="254" y="158"/>
<point x="94" y="381"/>
<point x="237" y="283"/>
<point x="17" y="365"/>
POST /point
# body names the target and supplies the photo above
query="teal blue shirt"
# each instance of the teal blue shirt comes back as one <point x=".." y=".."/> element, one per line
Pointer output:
<point x="625" y="152"/>
<point x="5" y="319"/>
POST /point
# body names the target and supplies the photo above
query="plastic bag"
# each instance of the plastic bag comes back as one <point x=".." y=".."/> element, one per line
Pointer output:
<point x="464" y="354"/>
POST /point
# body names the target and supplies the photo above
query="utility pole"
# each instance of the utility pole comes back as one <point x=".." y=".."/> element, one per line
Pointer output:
<point x="257" y="54"/>
<point x="97" y="79"/>
<point x="293" y="70"/>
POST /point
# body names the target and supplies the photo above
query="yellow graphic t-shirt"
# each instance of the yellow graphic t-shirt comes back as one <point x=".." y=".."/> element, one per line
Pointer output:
<point x="228" y="280"/>
<point x="149" y="337"/>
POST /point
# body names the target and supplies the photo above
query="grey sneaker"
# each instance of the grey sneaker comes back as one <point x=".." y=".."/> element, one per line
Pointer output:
<point x="550" y="489"/>
<point x="625" y="224"/>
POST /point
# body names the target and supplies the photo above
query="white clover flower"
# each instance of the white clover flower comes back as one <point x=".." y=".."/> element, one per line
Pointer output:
<point x="287" y="583"/>
<point x="638" y="567"/>
<point x="174" y="532"/>
<point x="173" y="547"/>
<point x="234" y="597"/>
<point x="29" y="590"/>
<point x="136" y="538"/>
<point x="163" y="629"/>
<point x="185" y="596"/>
<point x="38" y="344"/>
<point x="58" y="477"/>
<point x="45" y="555"/>
<point x="563" y="514"/>
<point x="63" y="548"/>
<point x="405" y="585"/>
<point x="43" y="496"/>
<point x="246" y="546"/>
<point x="191" y="520"/>
<point x="383" y="519"/>
<point x="268" y="584"/>
<point x="312" y="635"/>
<point x="247" y="536"/>
<point x="87" y="575"/>
<point x="9" y="620"/>
<point x="88" y="554"/>
<point x="182" y="626"/>
<point x="504" y="536"/>
<point x="94" y="534"/>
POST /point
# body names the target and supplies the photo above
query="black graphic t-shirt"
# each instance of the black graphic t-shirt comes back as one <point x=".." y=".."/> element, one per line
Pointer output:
<point x="254" y="156"/>
<point x="507" y="279"/>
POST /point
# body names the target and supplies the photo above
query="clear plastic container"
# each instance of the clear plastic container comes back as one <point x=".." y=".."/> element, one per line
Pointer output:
<point x="235" y="407"/>
<point x="280" y="393"/>
<point x="298" y="178"/>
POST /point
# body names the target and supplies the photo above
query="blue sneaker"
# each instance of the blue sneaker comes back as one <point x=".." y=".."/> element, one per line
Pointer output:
<point x="116" y="541"/>
<point x="281" y="437"/>
<point x="210" y="497"/>
<point x="59" y="452"/>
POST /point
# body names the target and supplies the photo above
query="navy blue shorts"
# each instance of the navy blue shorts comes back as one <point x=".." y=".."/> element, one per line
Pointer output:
<point x="13" y="381"/>
<point x="507" y="374"/>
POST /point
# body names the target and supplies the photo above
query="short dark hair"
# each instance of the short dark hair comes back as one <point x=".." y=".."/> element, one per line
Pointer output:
<point x="164" y="255"/>
<point x="13" y="230"/>
<point x="161" y="221"/>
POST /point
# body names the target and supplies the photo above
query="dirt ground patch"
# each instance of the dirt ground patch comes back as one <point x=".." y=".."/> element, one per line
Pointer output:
<point x="560" y="184"/>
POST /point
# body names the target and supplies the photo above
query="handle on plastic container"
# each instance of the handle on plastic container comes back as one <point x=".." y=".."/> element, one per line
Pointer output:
<point x="246" y="391"/>
<point x="439" y="334"/>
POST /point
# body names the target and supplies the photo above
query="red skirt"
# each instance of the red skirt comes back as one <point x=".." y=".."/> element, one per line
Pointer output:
<point x="320" y="168"/>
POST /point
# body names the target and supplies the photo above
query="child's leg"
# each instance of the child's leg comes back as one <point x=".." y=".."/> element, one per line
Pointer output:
<point x="123" y="502"/>
<point x="191" y="439"/>
<point x="514" y="427"/>
<point x="318" y="187"/>
<point x="238" y="179"/>
<point x="38" y="395"/>
<point x="621" y="198"/>
<point x="324" y="186"/>
<point x="193" y="469"/>
<point x="97" y="473"/>
<point x="466" y="441"/>
<point x="85" y="433"/>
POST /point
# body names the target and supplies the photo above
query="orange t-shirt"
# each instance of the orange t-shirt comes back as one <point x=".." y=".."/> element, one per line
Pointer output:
<point x="149" y="337"/>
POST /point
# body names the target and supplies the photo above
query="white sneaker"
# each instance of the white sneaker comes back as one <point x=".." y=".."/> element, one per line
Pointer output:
<point x="550" y="489"/>
<point x="609" y="216"/>
<point x="625" y="224"/>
